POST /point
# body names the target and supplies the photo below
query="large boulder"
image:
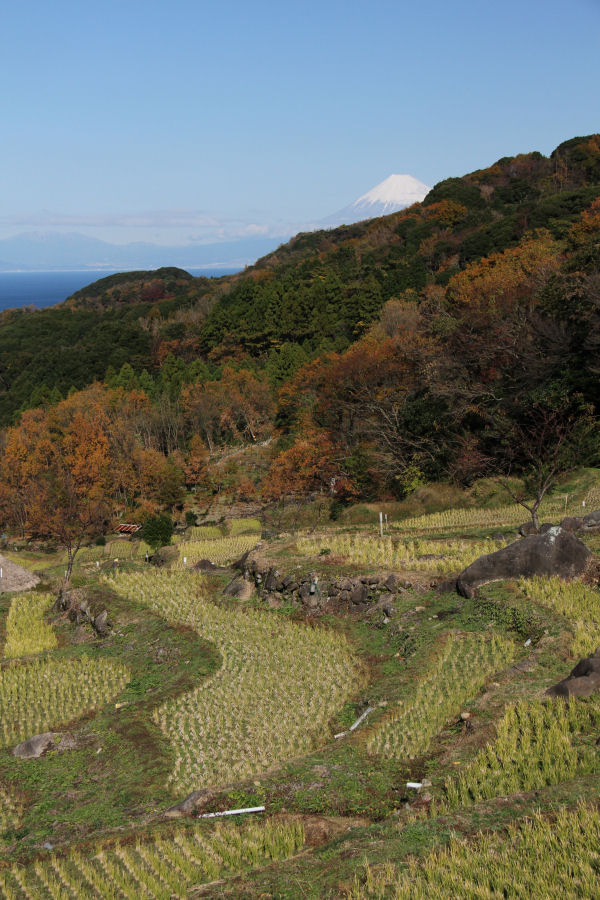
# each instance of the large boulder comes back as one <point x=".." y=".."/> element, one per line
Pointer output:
<point x="591" y="522"/>
<point x="36" y="746"/>
<point x="572" y="523"/>
<point x="557" y="552"/>
<point x="582" y="681"/>
<point x="101" y="623"/>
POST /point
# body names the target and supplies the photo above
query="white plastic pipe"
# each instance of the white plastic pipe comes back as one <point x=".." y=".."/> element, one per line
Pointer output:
<point x="232" y="812"/>
<point x="368" y="710"/>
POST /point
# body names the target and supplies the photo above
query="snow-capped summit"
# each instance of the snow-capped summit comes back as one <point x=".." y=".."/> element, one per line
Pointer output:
<point x="393" y="193"/>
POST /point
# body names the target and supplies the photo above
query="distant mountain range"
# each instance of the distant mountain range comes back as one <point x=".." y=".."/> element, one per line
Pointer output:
<point x="47" y="251"/>
<point x="39" y="251"/>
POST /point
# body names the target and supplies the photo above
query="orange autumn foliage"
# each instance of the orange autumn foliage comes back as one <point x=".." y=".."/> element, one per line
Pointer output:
<point x="504" y="278"/>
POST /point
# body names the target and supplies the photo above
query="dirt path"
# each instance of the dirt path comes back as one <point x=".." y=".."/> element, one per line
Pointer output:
<point x="14" y="577"/>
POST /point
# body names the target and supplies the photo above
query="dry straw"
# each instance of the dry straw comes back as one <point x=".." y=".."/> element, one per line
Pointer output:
<point x="279" y="684"/>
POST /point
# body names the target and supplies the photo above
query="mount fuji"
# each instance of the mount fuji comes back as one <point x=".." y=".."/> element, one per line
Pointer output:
<point x="393" y="193"/>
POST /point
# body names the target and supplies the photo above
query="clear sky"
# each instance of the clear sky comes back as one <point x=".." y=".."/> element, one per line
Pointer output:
<point x="177" y="120"/>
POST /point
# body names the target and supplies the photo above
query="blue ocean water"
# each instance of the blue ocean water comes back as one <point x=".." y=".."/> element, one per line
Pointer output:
<point x="47" y="288"/>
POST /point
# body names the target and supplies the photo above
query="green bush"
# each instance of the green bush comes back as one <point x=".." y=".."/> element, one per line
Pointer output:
<point x="158" y="530"/>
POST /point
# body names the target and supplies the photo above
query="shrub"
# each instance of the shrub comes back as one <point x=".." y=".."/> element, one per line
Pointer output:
<point x="158" y="530"/>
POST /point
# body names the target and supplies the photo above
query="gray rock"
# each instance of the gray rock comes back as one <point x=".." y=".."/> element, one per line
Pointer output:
<point x="205" y="565"/>
<point x="391" y="583"/>
<point x="344" y="596"/>
<point x="274" y="601"/>
<point x="287" y="582"/>
<point x="36" y="746"/>
<point x="586" y="666"/>
<point x="546" y="526"/>
<point x="81" y="635"/>
<point x="235" y="588"/>
<point x="557" y="552"/>
<point x="591" y="522"/>
<point x="572" y="523"/>
<point x="68" y="742"/>
<point x="360" y="594"/>
<point x="101" y="623"/>
<point x="273" y="581"/>
<point x="499" y="538"/>
<point x="191" y="804"/>
<point x="583" y="680"/>
<point x="345" y="584"/>
<point x="447" y="586"/>
<point x="576" y="687"/>
<point x="527" y="528"/>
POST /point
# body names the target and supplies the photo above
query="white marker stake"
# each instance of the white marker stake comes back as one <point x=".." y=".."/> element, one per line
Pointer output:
<point x="381" y="524"/>
<point x="416" y="785"/>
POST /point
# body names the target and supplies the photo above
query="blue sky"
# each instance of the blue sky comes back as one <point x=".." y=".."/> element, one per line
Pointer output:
<point x="182" y="121"/>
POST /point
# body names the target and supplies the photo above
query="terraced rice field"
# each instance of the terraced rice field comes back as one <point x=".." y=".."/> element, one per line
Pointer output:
<point x="219" y="551"/>
<point x="538" y="859"/>
<point x="245" y="526"/>
<point x="441" y="557"/>
<point x="40" y="695"/>
<point x="114" y="550"/>
<point x="578" y="603"/>
<point x="203" y="533"/>
<point x="534" y="747"/>
<point x="480" y="517"/>
<point x="163" y="867"/>
<point x="262" y="707"/>
<point x="26" y="630"/>
<point x="456" y="673"/>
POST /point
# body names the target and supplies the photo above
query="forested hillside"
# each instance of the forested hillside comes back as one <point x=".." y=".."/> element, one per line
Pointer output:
<point x="452" y="339"/>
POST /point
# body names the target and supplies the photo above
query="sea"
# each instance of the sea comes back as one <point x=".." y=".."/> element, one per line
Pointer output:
<point x="48" y="288"/>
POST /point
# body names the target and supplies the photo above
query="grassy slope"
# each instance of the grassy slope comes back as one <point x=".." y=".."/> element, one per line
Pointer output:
<point x="85" y="794"/>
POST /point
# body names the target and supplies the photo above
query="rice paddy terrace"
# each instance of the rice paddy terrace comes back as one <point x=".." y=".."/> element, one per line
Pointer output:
<point x="460" y="778"/>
